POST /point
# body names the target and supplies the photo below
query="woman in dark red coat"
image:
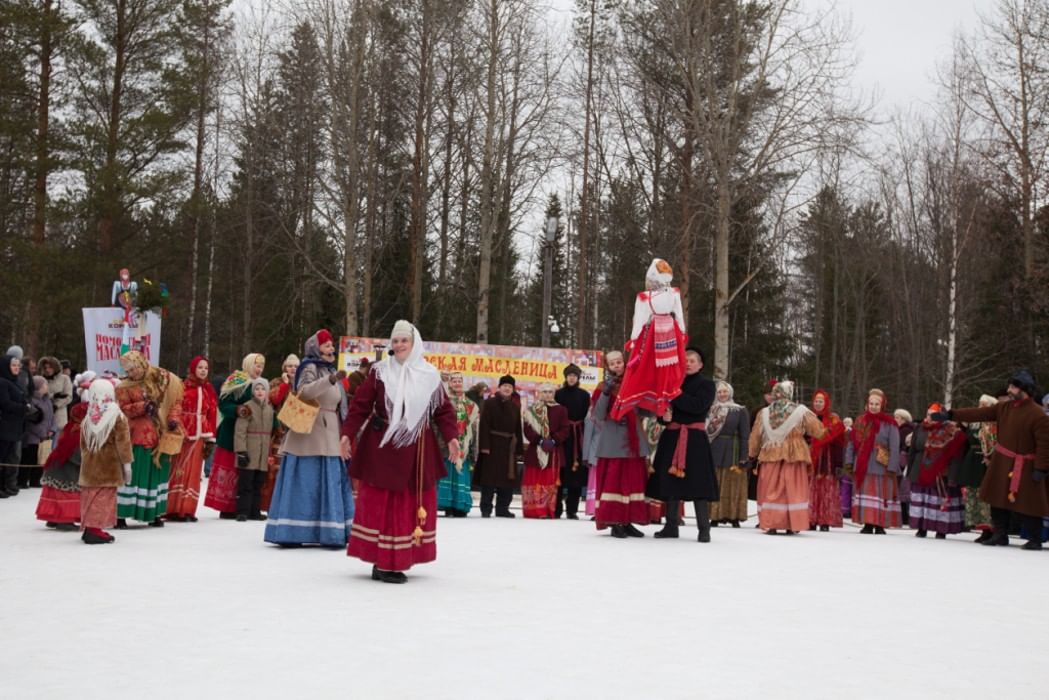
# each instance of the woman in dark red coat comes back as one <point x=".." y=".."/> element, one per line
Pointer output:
<point x="546" y="427"/>
<point x="397" y="458"/>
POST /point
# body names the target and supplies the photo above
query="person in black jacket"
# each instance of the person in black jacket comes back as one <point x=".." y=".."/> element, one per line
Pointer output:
<point x="688" y="474"/>
<point x="12" y="422"/>
<point x="576" y="400"/>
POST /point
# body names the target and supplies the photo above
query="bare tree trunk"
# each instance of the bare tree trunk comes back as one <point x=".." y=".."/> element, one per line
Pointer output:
<point x="420" y="162"/>
<point x="212" y="236"/>
<point x="583" y="292"/>
<point x="488" y="177"/>
<point x="110" y="196"/>
<point x="198" y="178"/>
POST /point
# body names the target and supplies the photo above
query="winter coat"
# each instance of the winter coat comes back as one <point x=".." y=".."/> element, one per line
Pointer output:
<point x="323" y="440"/>
<point x="557" y="416"/>
<point x="42" y="429"/>
<point x="105" y="467"/>
<point x="729" y="448"/>
<point x="12" y="411"/>
<point x="1023" y="428"/>
<point x="389" y="467"/>
<point x="60" y="389"/>
<point x="253" y="435"/>
<point x="690" y="407"/>
<point x="793" y="447"/>
<point x="497" y="462"/>
<point x="610" y="439"/>
<point x="576" y="401"/>
<point x="199" y="411"/>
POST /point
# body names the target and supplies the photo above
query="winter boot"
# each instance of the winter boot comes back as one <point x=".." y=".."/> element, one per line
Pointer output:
<point x="867" y="530"/>
<point x="632" y="531"/>
<point x="702" y="520"/>
<point x="920" y="533"/>
<point x="618" y="532"/>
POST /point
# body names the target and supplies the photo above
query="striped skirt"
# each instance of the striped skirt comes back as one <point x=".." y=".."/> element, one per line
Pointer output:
<point x="876" y="501"/>
<point x="621" y="491"/>
<point x="146" y="497"/>
<point x="937" y="512"/>
<point x="382" y="532"/>
<point x="783" y="496"/>
<point x="732" y="484"/>
<point x="453" y="491"/>
<point x="312" y="502"/>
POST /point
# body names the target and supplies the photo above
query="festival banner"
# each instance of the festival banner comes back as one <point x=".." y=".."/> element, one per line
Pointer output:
<point x="529" y="366"/>
<point x="104" y="330"/>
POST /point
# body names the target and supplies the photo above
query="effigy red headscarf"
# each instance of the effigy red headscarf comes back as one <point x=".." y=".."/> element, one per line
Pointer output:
<point x="835" y="428"/>
<point x="865" y="429"/>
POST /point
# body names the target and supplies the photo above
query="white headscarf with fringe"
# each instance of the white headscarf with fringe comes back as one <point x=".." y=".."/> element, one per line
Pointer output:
<point x="103" y="412"/>
<point x="413" y="390"/>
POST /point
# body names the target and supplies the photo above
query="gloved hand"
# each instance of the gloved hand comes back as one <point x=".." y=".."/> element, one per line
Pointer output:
<point x="173" y="426"/>
<point x="242" y="460"/>
<point x="244" y="411"/>
<point x="150" y="408"/>
<point x="1038" y="475"/>
<point x="337" y="377"/>
<point x="127" y="473"/>
<point x="548" y="444"/>
<point x="941" y="416"/>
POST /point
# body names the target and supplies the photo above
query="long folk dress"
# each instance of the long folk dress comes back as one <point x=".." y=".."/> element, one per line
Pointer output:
<point x="279" y="390"/>
<point x="393" y="483"/>
<point x="312" y="501"/>
<point x="827" y="454"/>
<point x="453" y="491"/>
<point x="542" y="471"/>
<point x="935" y="458"/>
<point x="729" y="451"/>
<point x="222" y="484"/>
<point x="199" y="413"/>
<point x="620" y="452"/>
<point x="657" y="358"/>
<point x="60" y="484"/>
<point x="982" y="438"/>
<point x="875" y="497"/>
<point x="784" y="468"/>
<point x="146" y="497"/>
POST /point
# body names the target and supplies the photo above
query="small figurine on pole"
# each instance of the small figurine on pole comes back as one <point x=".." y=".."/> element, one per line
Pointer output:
<point x="123" y="295"/>
<point x="657" y="347"/>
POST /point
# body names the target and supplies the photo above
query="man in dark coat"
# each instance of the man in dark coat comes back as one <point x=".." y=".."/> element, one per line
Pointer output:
<point x="500" y="444"/>
<point x="1015" y="478"/>
<point x="686" y="472"/>
<point x="576" y="400"/>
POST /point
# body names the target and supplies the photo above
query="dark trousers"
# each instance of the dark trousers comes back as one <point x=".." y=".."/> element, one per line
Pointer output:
<point x="568" y="500"/>
<point x="249" y="492"/>
<point x="1002" y="518"/>
<point x="30" y="472"/>
<point x="702" y="513"/>
<point x="8" y="475"/>
<point x="503" y="496"/>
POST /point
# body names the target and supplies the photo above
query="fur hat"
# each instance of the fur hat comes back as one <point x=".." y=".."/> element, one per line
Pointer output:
<point x="507" y="379"/>
<point x="1022" y="379"/>
<point x="572" y="369"/>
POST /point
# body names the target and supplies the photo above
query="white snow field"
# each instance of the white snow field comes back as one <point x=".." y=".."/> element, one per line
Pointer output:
<point x="518" y="609"/>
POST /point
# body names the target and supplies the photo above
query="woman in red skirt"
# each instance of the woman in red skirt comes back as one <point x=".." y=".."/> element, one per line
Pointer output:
<point x="657" y="347"/>
<point x="546" y="427"/>
<point x="199" y="415"/>
<point x="397" y="458"/>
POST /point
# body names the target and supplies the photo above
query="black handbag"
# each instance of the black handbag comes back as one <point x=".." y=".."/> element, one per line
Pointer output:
<point x="33" y="414"/>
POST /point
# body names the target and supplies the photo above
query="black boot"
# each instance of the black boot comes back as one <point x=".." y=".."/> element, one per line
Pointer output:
<point x="157" y="523"/>
<point x="824" y="528"/>
<point x="734" y="523"/>
<point x="867" y="530"/>
<point x="669" y="532"/>
<point x="879" y="530"/>
<point x="702" y="520"/>
<point x="920" y="533"/>
<point x="984" y="536"/>
<point x="618" y="532"/>
<point x="998" y="539"/>
<point x="388" y="576"/>
<point x="1033" y="545"/>
<point x="121" y="524"/>
<point x="773" y="531"/>
<point x="632" y="531"/>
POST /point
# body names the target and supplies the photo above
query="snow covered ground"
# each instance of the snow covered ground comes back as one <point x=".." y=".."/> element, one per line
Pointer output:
<point x="518" y="609"/>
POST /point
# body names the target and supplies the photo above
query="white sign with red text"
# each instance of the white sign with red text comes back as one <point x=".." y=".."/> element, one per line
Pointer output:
<point x="104" y="332"/>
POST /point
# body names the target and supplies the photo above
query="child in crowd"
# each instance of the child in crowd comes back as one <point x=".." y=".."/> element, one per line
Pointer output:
<point x="252" y="445"/>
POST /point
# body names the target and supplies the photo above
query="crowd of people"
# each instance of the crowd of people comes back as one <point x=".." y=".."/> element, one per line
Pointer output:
<point x="365" y="461"/>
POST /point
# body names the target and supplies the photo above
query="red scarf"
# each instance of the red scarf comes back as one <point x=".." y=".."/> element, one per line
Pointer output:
<point x="863" y="433"/>
<point x="69" y="443"/>
<point x="944" y="442"/>
<point x="835" y="430"/>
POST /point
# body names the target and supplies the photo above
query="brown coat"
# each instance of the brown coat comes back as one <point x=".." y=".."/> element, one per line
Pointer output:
<point x="253" y="435"/>
<point x="793" y="448"/>
<point x="106" y="466"/>
<point x="497" y="463"/>
<point x="1023" y="428"/>
<point x="323" y="440"/>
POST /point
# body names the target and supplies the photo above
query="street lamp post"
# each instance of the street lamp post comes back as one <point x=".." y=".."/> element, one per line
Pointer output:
<point x="548" y="272"/>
